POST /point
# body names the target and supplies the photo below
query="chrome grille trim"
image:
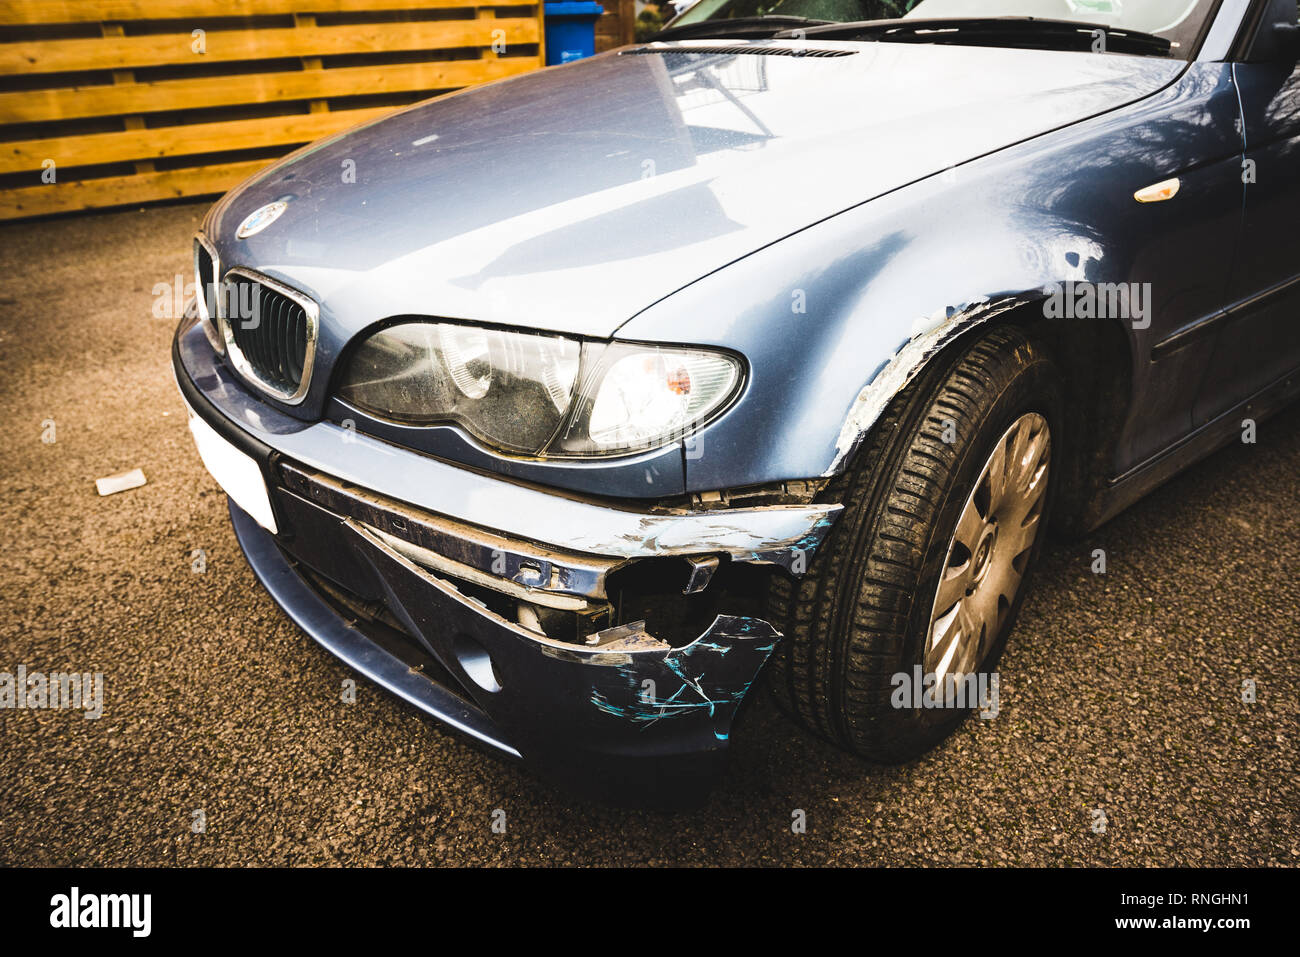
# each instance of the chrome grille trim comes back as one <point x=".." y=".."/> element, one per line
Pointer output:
<point x="264" y="353"/>
<point x="202" y="292"/>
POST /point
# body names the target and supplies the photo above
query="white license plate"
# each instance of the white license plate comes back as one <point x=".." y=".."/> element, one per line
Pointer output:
<point x="237" y="474"/>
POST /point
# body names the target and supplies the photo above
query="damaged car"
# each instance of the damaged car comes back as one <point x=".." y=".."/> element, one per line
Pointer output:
<point x="568" y="407"/>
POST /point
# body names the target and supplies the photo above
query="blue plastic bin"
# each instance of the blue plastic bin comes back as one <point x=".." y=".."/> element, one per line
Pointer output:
<point x="570" y="30"/>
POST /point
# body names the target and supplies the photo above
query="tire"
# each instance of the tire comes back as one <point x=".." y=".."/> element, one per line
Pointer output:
<point x="863" y="613"/>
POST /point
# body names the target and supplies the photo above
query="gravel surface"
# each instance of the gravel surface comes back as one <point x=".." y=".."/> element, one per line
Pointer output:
<point x="1120" y="692"/>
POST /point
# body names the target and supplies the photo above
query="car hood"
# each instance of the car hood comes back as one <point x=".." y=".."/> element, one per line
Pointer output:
<point x="572" y="198"/>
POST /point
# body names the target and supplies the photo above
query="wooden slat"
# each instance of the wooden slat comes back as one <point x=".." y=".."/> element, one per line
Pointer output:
<point x="136" y="111"/>
<point x="52" y="56"/>
<point x="152" y="144"/>
<point x="135" y="121"/>
<point x="311" y="63"/>
<point x="82" y="11"/>
<point x="30" y="106"/>
<point x="124" y="190"/>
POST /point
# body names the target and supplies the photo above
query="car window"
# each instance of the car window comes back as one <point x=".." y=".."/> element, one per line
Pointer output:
<point x="1180" y="21"/>
<point x="1177" y="20"/>
<point x="1149" y="16"/>
<point x="840" y="11"/>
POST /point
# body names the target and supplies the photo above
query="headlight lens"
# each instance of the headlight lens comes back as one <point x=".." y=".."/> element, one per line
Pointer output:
<point x="642" y="397"/>
<point x="508" y="389"/>
<point x="519" y="391"/>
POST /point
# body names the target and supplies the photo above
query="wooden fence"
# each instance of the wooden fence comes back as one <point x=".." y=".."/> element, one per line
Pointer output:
<point x="616" y="27"/>
<point x="114" y="102"/>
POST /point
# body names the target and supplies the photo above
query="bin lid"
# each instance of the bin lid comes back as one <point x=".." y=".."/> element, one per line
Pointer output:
<point x="574" y="8"/>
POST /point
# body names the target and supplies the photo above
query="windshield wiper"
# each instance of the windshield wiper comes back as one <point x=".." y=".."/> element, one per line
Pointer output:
<point x="740" y="27"/>
<point x="1011" y="31"/>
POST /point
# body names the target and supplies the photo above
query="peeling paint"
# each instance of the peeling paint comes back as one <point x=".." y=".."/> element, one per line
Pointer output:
<point x="742" y="534"/>
<point x="929" y="335"/>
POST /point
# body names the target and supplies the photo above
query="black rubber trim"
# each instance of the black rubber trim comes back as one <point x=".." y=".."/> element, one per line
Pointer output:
<point x="1186" y="335"/>
<point x="1192" y="331"/>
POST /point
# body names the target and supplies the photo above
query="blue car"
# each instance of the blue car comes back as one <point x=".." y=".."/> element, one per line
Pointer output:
<point x="567" y="407"/>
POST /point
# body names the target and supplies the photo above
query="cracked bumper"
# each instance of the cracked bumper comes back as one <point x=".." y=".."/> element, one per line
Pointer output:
<point x="396" y="589"/>
<point x="628" y="721"/>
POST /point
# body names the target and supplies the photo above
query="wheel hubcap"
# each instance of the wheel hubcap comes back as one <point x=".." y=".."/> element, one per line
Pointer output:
<point x="989" y="550"/>
<point x="984" y="554"/>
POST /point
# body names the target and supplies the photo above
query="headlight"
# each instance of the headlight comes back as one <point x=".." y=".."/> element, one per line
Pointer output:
<point x="538" y="394"/>
<point x="509" y="389"/>
<point x="640" y="397"/>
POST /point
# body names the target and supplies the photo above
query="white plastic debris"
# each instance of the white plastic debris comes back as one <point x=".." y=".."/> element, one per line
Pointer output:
<point x="120" y="482"/>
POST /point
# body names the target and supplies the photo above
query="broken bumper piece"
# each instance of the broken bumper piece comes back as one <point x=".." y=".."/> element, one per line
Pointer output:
<point x="532" y="647"/>
<point x="624" y="717"/>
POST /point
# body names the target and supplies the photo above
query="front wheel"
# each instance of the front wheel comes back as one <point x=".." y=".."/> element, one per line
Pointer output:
<point x="891" y="638"/>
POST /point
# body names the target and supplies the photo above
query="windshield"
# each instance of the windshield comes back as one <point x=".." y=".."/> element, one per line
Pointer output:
<point x="1179" y="21"/>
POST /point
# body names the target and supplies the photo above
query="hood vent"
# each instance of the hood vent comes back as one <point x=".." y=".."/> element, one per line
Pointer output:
<point x="733" y="49"/>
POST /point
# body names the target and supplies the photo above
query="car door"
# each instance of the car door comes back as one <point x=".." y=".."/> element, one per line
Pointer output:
<point x="1259" y="337"/>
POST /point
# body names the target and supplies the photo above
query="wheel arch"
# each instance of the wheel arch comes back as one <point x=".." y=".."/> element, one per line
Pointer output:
<point x="1096" y="361"/>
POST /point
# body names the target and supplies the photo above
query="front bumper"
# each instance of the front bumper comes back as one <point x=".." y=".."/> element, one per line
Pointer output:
<point x="411" y="570"/>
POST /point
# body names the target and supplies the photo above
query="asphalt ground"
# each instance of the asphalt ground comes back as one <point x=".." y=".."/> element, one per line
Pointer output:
<point x="1121" y="692"/>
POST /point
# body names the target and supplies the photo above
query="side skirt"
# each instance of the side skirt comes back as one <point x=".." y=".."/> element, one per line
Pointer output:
<point x="1219" y="432"/>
